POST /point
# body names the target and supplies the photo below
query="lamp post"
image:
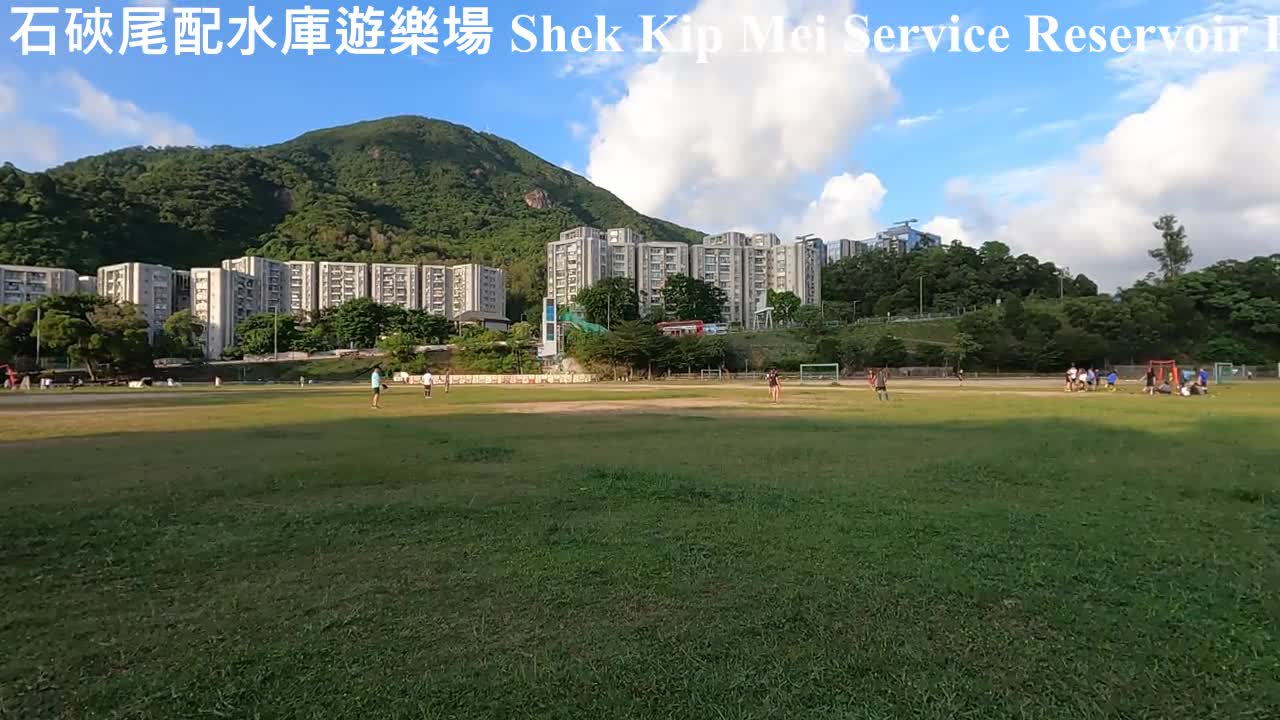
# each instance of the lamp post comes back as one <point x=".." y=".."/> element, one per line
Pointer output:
<point x="921" y="296"/>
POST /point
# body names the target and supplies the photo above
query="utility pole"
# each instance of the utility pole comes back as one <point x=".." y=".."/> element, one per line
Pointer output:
<point x="855" y="310"/>
<point x="37" y="338"/>
<point x="608" y="304"/>
<point x="275" y="334"/>
<point x="921" y="296"/>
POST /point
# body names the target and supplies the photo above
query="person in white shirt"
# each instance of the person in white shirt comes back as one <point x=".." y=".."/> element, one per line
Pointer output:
<point x="1071" y="378"/>
<point x="426" y="384"/>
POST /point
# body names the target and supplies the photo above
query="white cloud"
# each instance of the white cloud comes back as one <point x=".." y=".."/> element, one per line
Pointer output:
<point x="1208" y="152"/>
<point x="595" y="63"/>
<point x="577" y="130"/>
<point x="1146" y="73"/>
<point x="29" y="145"/>
<point x="122" y="118"/>
<point x="907" y="122"/>
<point x="726" y="143"/>
<point x="949" y="228"/>
<point x="846" y="208"/>
<point x="8" y="97"/>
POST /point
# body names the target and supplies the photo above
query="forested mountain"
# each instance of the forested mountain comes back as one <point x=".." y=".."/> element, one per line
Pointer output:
<point x="404" y="189"/>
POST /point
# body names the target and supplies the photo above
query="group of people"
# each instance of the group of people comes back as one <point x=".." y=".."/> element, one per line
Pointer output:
<point x="428" y="380"/>
<point x="877" y="379"/>
<point x="1193" y="384"/>
<point x="1088" y="380"/>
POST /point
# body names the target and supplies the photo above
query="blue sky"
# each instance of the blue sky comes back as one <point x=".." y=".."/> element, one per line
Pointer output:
<point x="974" y="121"/>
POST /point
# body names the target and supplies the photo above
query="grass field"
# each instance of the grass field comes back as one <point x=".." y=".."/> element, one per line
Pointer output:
<point x="627" y="551"/>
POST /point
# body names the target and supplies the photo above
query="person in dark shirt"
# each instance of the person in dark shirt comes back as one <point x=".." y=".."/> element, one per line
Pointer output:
<point x="775" y="387"/>
<point x="882" y="384"/>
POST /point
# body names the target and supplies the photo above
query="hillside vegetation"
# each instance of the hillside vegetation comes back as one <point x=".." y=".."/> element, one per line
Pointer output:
<point x="404" y="189"/>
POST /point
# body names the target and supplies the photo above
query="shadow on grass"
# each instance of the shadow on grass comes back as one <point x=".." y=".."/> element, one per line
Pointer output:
<point x="590" y="566"/>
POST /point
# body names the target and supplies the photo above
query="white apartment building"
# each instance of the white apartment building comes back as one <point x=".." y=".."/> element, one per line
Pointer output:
<point x="579" y="259"/>
<point x="437" y="290"/>
<point x="656" y="262"/>
<point x="220" y="299"/>
<point x="721" y="261"/>
<point x="150" y="287"/>
<point x="342" y="282"/>
<point x="87" y="285"/>
<point x="797" y="267"/>
<point x="479" y="294"/>
<point x="624" y="246"/>
<point x="28" y="283"/>
<point x="759" y="274"/>
<point x="303" y="287"/>
<point x="392" y="284"/>
<point x="271" y="280"/>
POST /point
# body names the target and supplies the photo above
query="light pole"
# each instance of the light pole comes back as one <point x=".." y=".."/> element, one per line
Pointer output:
<point x="921" y="296"/>
<point x="275" y="335"/>
<point x="37" y="337"/>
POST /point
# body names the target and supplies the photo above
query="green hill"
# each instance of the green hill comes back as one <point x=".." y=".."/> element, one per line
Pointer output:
<point x="404" y="189"/>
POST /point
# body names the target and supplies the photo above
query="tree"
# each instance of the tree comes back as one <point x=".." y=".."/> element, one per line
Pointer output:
<point x="423" y="327"/>
<point x="518" y="339"/>
<point x="358" y="323"/>
<point x="120" y="337"/>
<point x="888" y="351"/>
<point x="963" y="346"/>
<point x="182" y="336"/>
<point x="610" y="301"/>
<point x="1015" y="317"/>
<point x="401" y="348"/>
<point x="688" y="298"/>
<point x="785" y="304"/>
<point x="1174" y="254"/>
<point x="262" y="334"/>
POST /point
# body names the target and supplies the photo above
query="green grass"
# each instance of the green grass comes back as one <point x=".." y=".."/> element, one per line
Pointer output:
<point x="929" y="332"/>
<point x="293" y="554"/>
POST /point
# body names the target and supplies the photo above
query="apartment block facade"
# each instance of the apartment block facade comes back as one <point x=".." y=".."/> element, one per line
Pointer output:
<point x="479" y="294"/>
<point x="87" y="284"/>
<point x="220" y="300"/>
<point x="271" y="280"/>
<point x="624" y="249"/>
<point x="758" y="280"/>
<point x="150" y="287"/>
<point x="656" y="262"/>
<point x="181" y="290"/>
<point x="797" y="268"/>
<point x="392" y="284"/>
<point x="721" y="261"/>
<point x="28" y="283"/>
<point x="437" y="290"/>
<point x="581" y="258"/>
<point x="303" y="287"/>
<point x="342" y="282"/>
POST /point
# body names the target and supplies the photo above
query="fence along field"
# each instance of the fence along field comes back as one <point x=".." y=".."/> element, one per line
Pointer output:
<point x="280" y="552"/>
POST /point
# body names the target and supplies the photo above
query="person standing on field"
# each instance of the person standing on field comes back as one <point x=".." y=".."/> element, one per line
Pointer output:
<point x="882" y="384"/>
<point x="775" y="387"/>
<point x="447" y="376"/>
<point x="426" y="384"/>
<point x="375" y="380"/>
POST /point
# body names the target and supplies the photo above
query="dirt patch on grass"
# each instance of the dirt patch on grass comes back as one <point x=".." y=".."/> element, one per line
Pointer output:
<point x="631" y="406"/>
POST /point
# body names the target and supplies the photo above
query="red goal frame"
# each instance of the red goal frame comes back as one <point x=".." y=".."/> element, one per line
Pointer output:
<point x="1159" y="367"/>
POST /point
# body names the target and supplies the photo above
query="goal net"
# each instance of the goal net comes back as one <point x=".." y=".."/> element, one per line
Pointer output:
<point x="1225" y="373"/>
<point x="712" y="374"/>
<point x="826" y="372"/>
